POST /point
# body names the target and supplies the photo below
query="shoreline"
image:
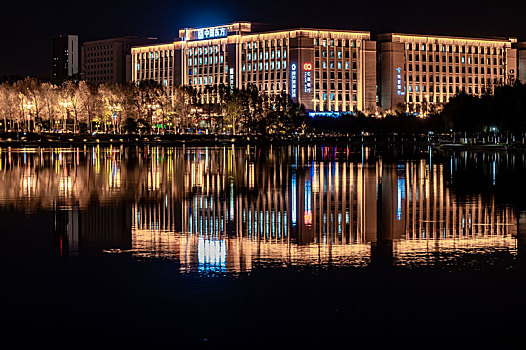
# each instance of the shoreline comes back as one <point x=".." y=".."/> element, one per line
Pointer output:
<point x="171" y="140"/>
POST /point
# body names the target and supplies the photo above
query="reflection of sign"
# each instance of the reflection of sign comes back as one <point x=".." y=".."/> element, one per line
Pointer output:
<point x="210" y="33"/>
<point x="307" y="66"/>
<point x="399" y="81"/>
<point x="293" y="80"/>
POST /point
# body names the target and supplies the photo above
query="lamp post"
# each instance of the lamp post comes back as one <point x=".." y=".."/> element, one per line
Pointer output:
<point x="65" y="104"/>
<point x="114" y="109"/>
<point x="152" y="108"/>
<point x="29" y="106"/>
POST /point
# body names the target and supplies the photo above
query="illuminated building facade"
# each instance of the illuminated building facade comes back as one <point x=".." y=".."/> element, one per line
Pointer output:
<point x="325" y="70"/>
<point x="419" y="71"/>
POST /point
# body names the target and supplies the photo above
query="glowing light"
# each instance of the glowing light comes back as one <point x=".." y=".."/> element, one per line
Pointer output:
<point x="210" y="33"/>
<point x="293" y="79"/>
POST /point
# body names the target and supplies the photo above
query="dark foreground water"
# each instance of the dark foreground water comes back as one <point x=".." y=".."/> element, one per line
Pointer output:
<point x="142" y="246"/>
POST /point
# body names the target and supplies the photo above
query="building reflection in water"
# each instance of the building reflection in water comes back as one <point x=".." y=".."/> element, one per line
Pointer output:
<point x="234" y="209"/>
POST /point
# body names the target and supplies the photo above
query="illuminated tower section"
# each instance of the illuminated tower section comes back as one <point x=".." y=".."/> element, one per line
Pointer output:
<point x="301" y="70"/>
<point x="391" y="72"/>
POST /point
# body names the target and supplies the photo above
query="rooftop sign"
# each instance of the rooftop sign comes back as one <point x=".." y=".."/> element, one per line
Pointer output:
<point x="211" y="33"/>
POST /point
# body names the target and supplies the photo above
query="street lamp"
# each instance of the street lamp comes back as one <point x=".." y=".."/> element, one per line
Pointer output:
<point x="114" y="109"/>
<point x="152" y="108"/>
<point x="29" y="106"/>
<point x="65" y="104"/>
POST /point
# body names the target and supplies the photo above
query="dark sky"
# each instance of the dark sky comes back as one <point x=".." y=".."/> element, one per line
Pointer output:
<point x="28" y="27"/>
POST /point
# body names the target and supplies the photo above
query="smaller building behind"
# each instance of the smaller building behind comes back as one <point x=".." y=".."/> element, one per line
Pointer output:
<point x="108" y="61"/>
<point x="65" y="65"/>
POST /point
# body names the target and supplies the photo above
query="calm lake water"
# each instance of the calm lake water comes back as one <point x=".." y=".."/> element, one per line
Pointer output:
<point x="209" y="247"/>
<point x="227" y="210"/>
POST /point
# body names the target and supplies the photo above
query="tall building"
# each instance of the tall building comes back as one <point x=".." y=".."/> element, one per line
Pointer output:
<point x="326" y="70"/>
<point x="521" y="61"/>
<point x="419" y="71"/>
<point x="108" y="61"/>
<point x="65" y="58"/>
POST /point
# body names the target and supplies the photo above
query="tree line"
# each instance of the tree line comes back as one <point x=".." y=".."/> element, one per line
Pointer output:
<point x="146" y="107"/>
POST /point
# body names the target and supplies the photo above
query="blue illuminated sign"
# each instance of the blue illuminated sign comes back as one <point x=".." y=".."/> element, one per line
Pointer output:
<point x="329" y="114"/>
<point x="293" y="80"/>
<point x="399" y="81"/>
<point x="210" y="33"/>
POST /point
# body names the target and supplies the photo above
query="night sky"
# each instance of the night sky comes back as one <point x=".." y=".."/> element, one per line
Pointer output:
<point x="28" y="27"/>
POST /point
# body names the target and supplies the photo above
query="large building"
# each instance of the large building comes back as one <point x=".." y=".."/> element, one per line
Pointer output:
<point x="108" y="61"/>
<point x="325" y="70"/>
<point x="334" y="71"/>
<point x="416" y="72"/>
<point x="65" y="65"/>
<point x="521" y="61"/>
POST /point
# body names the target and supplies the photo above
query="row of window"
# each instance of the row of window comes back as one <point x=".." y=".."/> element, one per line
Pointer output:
<point x="248" y="56"/>
<point x="458" y="59"/>
<point x="335" y="65"/>
<point x="444" y="88"/>
<point x="205" y="50"/>
<point x="335" y="97"/>
<point x="206" y="60"/>
<point x="154" y="55"/>
<point x="207" y="80"/>
<point x="99" y="59"/>
<point x="335" y="54"/>
<point x="334" y="107"/>
<point x="205" y="70"/>
<point x="266" y="44"/>
<point x="264" y="66"/>
<point x="437" y="79"/>
<point x="454" y="49"/>
<point x="103" y="65"/>
<point x="458" y="69"/>
<point x="161" y="66"/>
<point x="335" y="42"/>
<point x="97" y="72"/>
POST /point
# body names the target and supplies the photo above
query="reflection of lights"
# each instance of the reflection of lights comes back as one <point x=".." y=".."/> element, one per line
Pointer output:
<point x="293" y="195"/>
<point x="65" y="184"/>
<point x="211" y="255"/>
<point x="28" y="185"/>
<point x="308" y="201"/>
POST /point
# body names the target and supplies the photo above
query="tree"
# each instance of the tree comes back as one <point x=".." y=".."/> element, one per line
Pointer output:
<point x="71" y="101"/>
<point x="89" y="99"/>
<point x="234" y="110"/>
<point x="50" y="100"/>
<point x="8" y="102"/>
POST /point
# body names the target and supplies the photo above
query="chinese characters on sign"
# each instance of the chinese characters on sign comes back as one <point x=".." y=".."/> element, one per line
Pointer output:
<point x="399" y="81"/>
<point x="231" y="79"/>
<point x="307" y="67"/>
<point x="210" y="33"/>
<point x="293" y="80"/>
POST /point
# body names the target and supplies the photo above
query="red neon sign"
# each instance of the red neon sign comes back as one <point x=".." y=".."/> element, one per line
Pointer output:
<point x="307" y="66"/>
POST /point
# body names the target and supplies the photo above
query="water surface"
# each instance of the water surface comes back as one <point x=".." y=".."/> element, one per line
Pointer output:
<point x="227" y="210"/>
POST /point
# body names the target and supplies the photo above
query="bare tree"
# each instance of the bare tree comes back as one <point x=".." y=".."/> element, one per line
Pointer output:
<point x="71" y="94"/>
<point x="89" y="101"/>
